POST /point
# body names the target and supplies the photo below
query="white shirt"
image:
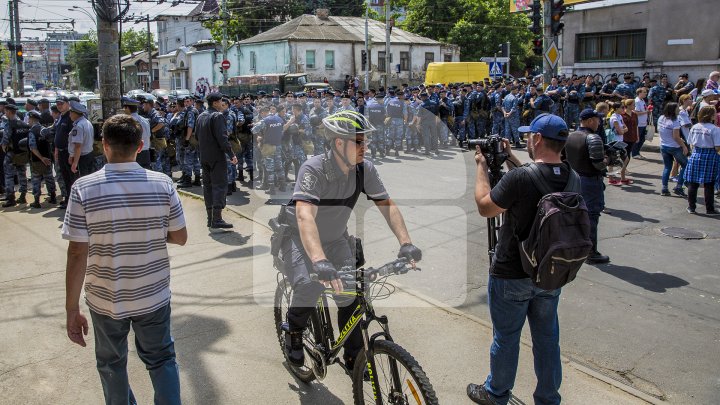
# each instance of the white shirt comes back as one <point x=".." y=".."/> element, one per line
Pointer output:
<point x="82" y="133"/>
<point x="705" y="135"/>
<point x="685" y="122"/>
<point x="665" y="128"/>
<point x="640" y="106"/>
<point x="124" y="212"/>
<point x="146" y="129"/>
<point x="617" y="118"/>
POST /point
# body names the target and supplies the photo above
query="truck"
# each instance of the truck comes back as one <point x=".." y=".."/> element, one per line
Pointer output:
<point x="456" y="72"/>
<point x="254" y="83"/>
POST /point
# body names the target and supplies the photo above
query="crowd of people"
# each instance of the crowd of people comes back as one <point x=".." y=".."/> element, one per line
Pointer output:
<point x="273" y="134"/>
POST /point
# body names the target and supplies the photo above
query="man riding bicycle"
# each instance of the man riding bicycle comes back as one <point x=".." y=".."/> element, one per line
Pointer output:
<point x="326" y="191"/>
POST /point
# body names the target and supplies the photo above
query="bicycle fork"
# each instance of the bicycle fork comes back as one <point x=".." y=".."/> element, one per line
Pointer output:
<point x="370" y="356"/>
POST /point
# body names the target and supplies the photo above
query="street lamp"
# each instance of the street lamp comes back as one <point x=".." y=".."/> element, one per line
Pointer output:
<point x="87" y="13"/>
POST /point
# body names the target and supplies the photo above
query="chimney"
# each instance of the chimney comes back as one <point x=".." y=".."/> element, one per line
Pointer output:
<point x="322" y="13"/>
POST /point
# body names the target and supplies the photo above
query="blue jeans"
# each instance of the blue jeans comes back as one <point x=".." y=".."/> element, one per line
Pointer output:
<point x="510" y="302"/>
<point x="669" y="154"/>
<point x="155" y="347"/>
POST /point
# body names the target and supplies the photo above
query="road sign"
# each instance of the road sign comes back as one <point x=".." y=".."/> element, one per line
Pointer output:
<point x="225" y="64"/>
<point x="552" y="55"/>
<point x="496" y="69"/>
<point x="490" y="59"/>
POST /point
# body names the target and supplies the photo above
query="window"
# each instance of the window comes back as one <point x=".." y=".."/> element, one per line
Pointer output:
<point x="253" y="60"/>
<point x="448" y="57"/>
<point x="611" y="46"/>
<point x="381" y="61"/>
<point x="429" y="58"/>
<point x="310" y="59"/>
<point x="329" y="59"/>
<point x="404" y="61"/>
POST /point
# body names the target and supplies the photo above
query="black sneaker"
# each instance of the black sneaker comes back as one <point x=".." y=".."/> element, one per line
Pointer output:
<point x="665" y="193"/>
<point x="680" y="192"/>
<point x="597" y="258"/>
<point x="712" y="213"/>
<point x="479" y="395"/>
<point x="294" y="348"/>
<point x="690" y="210"/>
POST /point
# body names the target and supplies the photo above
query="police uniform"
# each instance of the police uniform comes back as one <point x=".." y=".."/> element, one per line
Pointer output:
<point x="38" y="169"/>
<point x="498" y="119"/>
<point x="231" y="123"/>
<point x="444" y="111"/>
<point x="411" y="133"/>
<point x="657" y="96"/>
<point x="317" y="131"/>
<point x="572" y="106"/>
<point x="396" y="110"/>
<point x="191" y="160"/>
<point x="248" y="143"/>
<point x="459" y="109"/>
<point x="511" y="104"/>
<point x="271" y="130"/>
<point x="159" y="139"/>
<point x="428" y="126"/>
<point x="298" y="140"/>
<point x="375" y="112"/>
<point x="15" y="133"/>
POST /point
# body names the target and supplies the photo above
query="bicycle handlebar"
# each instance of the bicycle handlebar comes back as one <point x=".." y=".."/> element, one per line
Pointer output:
<point x="349" y="274"/>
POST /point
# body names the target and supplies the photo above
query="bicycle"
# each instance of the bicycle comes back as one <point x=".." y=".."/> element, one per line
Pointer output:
<point x="384" y="373"/>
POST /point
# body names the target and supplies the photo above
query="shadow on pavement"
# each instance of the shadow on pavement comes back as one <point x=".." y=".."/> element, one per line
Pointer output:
<point x="193" y="349"/>
<point x="312" y="394"/>
<point x="630" y="216"/>
<point x="655" y="282"/>
<point x="231" y="238"/>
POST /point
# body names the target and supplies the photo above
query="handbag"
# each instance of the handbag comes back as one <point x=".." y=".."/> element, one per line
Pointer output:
<point x="650" y="130"/>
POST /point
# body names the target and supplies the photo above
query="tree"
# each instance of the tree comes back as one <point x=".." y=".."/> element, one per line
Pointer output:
<point x="83" y="58"/>
<point x="430" y="18"/>
<point x="247" y="19"/>
<point x="133" y="41"/>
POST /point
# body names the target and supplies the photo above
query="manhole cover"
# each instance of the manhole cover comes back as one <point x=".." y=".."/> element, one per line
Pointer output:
<point x="682" y="233"/>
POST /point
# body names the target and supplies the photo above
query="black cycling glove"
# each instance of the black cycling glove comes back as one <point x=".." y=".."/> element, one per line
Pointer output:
<point x="186" y="143"/>
<point x="410" y="252"/>
<point x="325" y="270"/>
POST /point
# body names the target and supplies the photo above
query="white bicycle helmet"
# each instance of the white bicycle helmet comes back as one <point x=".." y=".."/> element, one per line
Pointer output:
<point x="346" y="125"/>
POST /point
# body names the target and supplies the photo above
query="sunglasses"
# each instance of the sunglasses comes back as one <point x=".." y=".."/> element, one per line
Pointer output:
<point x="360" y="142"/>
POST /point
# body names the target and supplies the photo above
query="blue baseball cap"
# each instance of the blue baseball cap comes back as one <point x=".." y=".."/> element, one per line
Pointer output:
<point x="549" y="126"/>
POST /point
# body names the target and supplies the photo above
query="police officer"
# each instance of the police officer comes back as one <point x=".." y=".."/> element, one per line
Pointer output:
<point x="375" y="113"/>
<point x="159" y="135"/>
<point x="63" y="126"/>
<point x="459" y="112"/>
<point x="428" y="123"/>
<point x="511" y="111"/>
<point x="232" y="127"/>
<point x="444" y="111"/>
<point x="317" y="113"/>
<point x="82" y="136"/>
<point x="498" y="118"/>
<point x="298" y="129"/>
<point x="191" y="161"/>
<point x="626" y="89"/>
<point x="247" y="110"/>
<point x="657" y="96"/>
<point x="397" y="112"/>
<point x="572" y="104"/>
<point x="413" y="122"/>
<point x="542" y="103"/>
<point x="555" y="92"/>
<point x="15" y="134"/>
<point x="211" y="132"/>
<point x="40" y="160"/>
<point x="586" y="154"/>
<point x="269" y="133"/>
<point x="130" y="106"/>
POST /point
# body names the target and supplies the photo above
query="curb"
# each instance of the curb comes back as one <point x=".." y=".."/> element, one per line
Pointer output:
<point x="523" y="340"/>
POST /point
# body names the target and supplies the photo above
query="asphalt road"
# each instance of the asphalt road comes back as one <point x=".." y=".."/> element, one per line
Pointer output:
<point x="648" y="319"/>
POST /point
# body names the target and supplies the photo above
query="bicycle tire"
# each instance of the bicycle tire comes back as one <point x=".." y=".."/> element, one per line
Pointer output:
<point x="418" y="386"/>
<point x="280" y="307"/>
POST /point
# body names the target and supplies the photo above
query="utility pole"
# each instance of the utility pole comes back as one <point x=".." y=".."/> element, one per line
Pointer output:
<point x="367" y="50"/>
<point x="20" y="70"/>
<point x="108" y="56"/>
<point x="547" y="39"/>
<point x="13" y="60"/>
<point x="387" y="45"/>
<point x="224" y="40"/>
<point x="507" y="66"/>
<point x="149" y="51"/>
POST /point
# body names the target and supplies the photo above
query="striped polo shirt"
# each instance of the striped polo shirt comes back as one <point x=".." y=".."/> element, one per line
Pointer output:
<point x="124" y="213"/>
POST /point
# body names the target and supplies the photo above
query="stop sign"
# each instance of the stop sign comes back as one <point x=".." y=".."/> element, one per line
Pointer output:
<point x="225" y="64"/>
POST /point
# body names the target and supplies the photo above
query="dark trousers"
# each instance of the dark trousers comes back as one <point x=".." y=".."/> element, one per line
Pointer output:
<point x="86" y="165"/>
<point x="68" y="176"/>
<point x="708" y="189"/>
<point x="593" y="192"/>
<point x="214" y="177"/>
<point x="2" y="169"/>
<point x="143" y="159"/>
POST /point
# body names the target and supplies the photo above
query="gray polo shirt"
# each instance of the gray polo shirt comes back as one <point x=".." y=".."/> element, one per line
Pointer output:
<point x="146" y="130"/>
<point x="334" y="193"/>
<point x="82" y="133"/>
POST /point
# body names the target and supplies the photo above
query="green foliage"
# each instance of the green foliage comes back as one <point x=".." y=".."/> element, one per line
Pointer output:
<point x="477" y="26"/>
<point x="4" y="58"/>
<point x="133" y="41"/>
<point x="83" y="56"/>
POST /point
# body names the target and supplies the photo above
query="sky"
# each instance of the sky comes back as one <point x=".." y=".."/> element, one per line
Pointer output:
<point x="55" y="10"/>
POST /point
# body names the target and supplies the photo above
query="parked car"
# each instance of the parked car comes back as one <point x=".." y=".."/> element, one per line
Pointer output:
<point x="175" y="94"/>
<point x="160" y="93"/>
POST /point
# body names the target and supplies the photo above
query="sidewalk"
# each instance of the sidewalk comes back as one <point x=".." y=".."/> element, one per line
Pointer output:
<point x="223" y="326"/>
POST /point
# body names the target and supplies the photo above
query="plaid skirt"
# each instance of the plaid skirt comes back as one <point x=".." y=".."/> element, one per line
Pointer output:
<point x="703" y="166"/>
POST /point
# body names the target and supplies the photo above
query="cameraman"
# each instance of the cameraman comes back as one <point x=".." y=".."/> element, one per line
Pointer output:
<point x="512" y="296"/>
<point x="586" y="155"/>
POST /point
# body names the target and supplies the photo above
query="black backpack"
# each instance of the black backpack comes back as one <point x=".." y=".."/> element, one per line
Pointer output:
<point x="559" y="240"/>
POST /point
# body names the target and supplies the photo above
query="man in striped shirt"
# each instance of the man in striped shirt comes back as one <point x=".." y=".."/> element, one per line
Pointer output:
<point x="119" y="221"/>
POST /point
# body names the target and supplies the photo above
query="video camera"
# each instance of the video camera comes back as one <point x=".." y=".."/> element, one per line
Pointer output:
<point x="493" y="149"/>
<point x="616" y="153"/>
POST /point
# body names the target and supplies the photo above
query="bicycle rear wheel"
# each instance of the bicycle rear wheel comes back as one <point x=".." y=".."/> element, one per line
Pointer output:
<point x="401" y="380"/>
<point x="283" y="297"/>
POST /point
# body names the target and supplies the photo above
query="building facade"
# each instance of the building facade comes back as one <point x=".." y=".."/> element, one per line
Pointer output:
<point x="175" y="31"/>
<point x="135" y="72"/>
<point x="654" y="36"/>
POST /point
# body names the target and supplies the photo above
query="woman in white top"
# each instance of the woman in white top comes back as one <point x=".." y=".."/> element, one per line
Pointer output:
<point x="672" y="147"/>
<point x="642" y="116"/>
<point x="617" y="126"/>
<point x="704" y="163"/>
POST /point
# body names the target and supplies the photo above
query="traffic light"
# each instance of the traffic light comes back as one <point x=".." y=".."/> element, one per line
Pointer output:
<point x="19" y="53"/>
<point x="504" y="50"/>
<point x="538" y="46"/>
<point x="557" y="12"/>
<point x="536" y="17"/>
<point x="363" y="57"/>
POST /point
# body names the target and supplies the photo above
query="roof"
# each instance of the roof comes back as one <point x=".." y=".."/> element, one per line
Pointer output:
<point x="308" y="27"/>
<point x="202" y="8"/>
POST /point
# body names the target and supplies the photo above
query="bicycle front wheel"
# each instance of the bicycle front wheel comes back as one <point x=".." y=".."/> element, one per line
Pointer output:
<point x="283" y="298"/>
<point x="400" y="379"/>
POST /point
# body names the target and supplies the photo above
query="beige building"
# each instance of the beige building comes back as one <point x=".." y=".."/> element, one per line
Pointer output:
<point x="655" y="36"/>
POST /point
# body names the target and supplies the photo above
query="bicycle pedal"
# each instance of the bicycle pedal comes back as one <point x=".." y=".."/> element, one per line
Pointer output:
<point x="285" y="327"/>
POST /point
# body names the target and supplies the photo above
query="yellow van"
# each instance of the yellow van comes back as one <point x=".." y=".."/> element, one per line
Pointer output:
<point x="456" y="72"/>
